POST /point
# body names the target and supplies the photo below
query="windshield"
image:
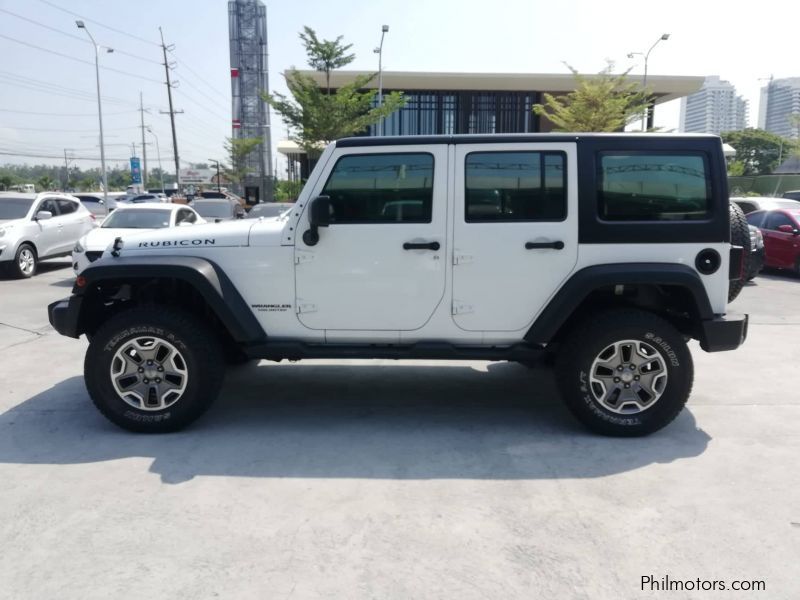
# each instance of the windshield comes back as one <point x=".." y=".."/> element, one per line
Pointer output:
<point x="268" y="210"/>
<point x="137" y="219"/>
<point x="14" y="208"/>
<point x="215" y="210"/>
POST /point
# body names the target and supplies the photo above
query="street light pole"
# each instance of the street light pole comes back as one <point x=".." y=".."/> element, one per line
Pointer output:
<point x="216" y="161"/>
<point x="664" y="37"/>
<point x="379" y="52"/>
<point x="158" y="154"/>
<point x="82" y="25"/>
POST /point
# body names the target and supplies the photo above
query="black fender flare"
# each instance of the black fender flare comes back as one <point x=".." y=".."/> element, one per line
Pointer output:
<point x="205" y="276"/>
<point x="582" y="283"/>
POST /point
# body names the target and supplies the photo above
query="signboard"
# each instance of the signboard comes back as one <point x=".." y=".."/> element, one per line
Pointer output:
<point x="198" y="176"/>
<point x="136" y="171"/>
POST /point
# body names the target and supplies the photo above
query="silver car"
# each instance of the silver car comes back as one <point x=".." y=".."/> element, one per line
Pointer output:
<point x="34" y="227"/>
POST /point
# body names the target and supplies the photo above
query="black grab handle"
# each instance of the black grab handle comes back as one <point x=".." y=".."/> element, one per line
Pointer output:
<point x="536" y="245"/>
<point x="421" y="246"/>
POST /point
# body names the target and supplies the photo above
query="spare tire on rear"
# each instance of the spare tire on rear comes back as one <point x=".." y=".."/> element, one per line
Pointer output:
<point x="740" y="236"/>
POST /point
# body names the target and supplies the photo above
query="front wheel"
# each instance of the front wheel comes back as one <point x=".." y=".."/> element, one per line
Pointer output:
<point x="25" y="262"/>
<point x="625" y="373"/>
<point x="153" y="369"/>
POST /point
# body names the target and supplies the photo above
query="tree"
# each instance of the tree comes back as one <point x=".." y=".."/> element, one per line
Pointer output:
<point x="46" y="183"/>
<point x="316" y="118"/>
<point x="287" y="190"/>
<point x="6" y="181"/>
<point x="759" y="151"/>
<point x="325" y="55"/>
<point x="238" y="150"/>
<point x="602" y="102"/>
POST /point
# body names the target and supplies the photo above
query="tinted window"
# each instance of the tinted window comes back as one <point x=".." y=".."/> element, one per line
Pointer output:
<point x="776" y="219"/>
<point x="14" y="208"/>
<point x="67" y="206"/>
<point x="653" y="187"/>
<point x="515" y="186"/>
<point x="756" y="218"/>
<point x="214" y="209"/>
<point x="185" y="216"/>
<point x="747" y="207"/>
<point x="50" y="206"/>
<point x="381" y="188"/>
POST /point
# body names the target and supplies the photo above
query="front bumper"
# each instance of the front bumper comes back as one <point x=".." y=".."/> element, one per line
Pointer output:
<point x="723" y="333"/>
<point x="64" y="315"/>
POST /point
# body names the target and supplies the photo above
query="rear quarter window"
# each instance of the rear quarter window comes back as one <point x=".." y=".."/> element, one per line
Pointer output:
<point x="653" y="186"/>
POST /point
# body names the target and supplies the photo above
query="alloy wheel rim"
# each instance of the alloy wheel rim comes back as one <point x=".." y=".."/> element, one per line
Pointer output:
<point x="149" y="373"/>
<point x="26" y="261"/>
<point x="628" y="377"/>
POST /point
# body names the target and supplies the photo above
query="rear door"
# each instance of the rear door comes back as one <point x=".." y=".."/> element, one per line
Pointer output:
<point x="515" y="231"/>
<point x="75" y="220"/>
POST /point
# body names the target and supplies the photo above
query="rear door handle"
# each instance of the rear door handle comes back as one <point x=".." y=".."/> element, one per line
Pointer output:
<point x="421" y="246"/>
<point x="559" y="245"/>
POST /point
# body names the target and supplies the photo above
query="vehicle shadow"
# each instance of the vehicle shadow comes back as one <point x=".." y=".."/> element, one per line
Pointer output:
<point x="373" y="420"/>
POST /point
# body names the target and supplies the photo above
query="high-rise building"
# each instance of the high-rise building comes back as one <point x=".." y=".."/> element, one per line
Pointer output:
<point x="247" y="24"/>
<point x="779" y="111"/>
<point x="714" y="109"/>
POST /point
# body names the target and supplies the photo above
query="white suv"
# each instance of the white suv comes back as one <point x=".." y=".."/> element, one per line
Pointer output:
<point x="34" y="227"/>
<point x="606" y="252"/>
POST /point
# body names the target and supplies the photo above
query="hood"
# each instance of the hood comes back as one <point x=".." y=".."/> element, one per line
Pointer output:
<point x="210" y="235"/>
<point x="101" y="238"/>
<point x="8" y="222"/>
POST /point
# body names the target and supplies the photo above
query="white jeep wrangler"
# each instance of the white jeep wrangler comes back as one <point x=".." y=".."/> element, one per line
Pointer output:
<point x="605" y="252"/>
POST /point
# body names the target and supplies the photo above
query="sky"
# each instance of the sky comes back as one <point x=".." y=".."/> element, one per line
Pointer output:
<point x="47" y="77"/>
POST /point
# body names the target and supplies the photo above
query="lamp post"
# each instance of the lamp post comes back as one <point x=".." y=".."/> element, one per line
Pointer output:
<point x="379" y="52"/>
<point x="216" y="161"/>
<point x="82" y="25"/>
<point x="158" y="154"/>
<point x="664" y="37"/>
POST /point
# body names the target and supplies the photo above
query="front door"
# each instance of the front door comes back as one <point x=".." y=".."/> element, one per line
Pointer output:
<point x="515" y="230"/>
<point x="50" y="236"/>
<point x="380" y="264"/>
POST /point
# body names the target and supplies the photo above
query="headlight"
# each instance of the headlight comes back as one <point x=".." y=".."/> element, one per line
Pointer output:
<point x="78" y="247"/>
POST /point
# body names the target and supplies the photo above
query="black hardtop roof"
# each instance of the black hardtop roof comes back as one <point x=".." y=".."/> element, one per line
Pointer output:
<point x="499" y="138"/>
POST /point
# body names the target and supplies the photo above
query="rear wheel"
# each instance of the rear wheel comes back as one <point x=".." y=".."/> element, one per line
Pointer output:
<point x="625" y="373"/>
<point x="153" y="369"/>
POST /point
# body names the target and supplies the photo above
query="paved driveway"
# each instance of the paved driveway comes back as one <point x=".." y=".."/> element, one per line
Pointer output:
<point x="375" y="479"/>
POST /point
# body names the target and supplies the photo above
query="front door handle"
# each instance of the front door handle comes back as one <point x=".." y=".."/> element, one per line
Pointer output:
<point x="559" y="245"/>
<point x="421" y="246"/>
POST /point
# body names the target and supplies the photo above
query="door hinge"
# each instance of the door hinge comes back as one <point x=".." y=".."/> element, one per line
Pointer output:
<point x="459" y="308"/>
<point x="460" y="259"/>
<point x="306" y="308"/>
<point x="301" y="256"/>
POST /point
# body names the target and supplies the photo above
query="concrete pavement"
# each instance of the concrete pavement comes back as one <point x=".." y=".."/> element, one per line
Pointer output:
<point x="376" y="479"/>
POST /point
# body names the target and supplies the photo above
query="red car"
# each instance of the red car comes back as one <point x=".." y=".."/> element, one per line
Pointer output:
<point x="781" y="230"/>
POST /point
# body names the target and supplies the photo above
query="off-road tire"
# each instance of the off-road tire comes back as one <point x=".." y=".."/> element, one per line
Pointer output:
<point x="200" y="353"/>
<point x="16" y="270"/>
<point x="740" y="236"/>
<point x="585" y="343"/>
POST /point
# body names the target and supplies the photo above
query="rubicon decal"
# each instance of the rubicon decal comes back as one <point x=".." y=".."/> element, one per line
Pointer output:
<point x="175" y="243"/>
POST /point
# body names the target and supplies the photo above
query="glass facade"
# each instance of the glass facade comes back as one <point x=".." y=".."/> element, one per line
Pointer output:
<point x="449" y="112"/>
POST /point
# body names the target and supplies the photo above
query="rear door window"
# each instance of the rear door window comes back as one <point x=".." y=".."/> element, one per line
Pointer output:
<point x="653" y="187"/>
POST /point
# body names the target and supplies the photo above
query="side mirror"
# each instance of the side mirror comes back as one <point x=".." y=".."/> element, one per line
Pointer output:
<point x="43" y="215"/>
<point x="185" y="224"/>
<point x="787" y="229"/>
<point x="319" y="215"/>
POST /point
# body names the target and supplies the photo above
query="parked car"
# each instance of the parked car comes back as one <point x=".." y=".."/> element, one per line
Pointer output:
<point x="781" y="231"/>
<point x="755" y="261"/>
<point x="140" y="198"/>
<point x="127" y="220"/>
<point x="792" y="195"/>
<point x="749" y="204"/>
<point x="96" y="205"/>
<point x="217" y="210"/>
<point x="34" y="227"/>
<point x="269" y="209"/>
